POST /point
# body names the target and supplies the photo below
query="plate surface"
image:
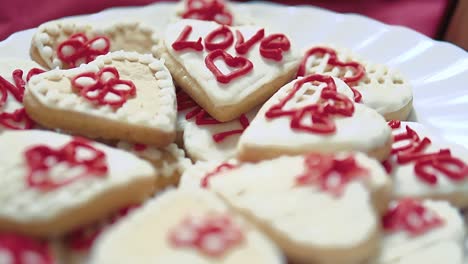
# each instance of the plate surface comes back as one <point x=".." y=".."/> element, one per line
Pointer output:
<point x="437" y="71"/>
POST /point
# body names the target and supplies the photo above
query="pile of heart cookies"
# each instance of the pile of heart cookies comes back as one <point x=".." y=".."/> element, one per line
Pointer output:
<point x="215" y="140"/>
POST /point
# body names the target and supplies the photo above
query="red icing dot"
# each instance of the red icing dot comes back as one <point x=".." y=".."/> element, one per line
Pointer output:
<point x="40" y="159"/>
<point x="242" y="47"/>
<point x="182" y="43"/>
<point x="273" y="46"/>
<point x="243" y="66"/>
<point x="211" y="235"/>
<point x="358" y="69"/>
<point x="410" y="216"/>
<point x="24" y="250"/>
<point x="331" y="174"/>
<point x="222" y="167"/>
<point x="208" y="10"/>
<point x="107" y="83"/>
<point x="331" y="103"/>
<point x="226" y="42"/>
<point x="81" y="49"/>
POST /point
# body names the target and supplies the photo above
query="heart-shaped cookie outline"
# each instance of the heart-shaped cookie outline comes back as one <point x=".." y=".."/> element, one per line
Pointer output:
<point x="243" y="65"/>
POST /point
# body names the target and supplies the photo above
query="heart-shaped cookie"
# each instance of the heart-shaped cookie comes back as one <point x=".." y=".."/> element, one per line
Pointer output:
<point x="426" y="166"/>
<point x="13" y="77"/>
<point x="301" y="201"/>
<point x="314" y="113"/>
<point x="184" y="227"/>
<point x="421" y="232"/>
<point x="227" y="70"/>
<point x="374" y="85"/>
<point x="120" y="96"/>
<point x="67" y="44"/>
<point x="53" y="183"/>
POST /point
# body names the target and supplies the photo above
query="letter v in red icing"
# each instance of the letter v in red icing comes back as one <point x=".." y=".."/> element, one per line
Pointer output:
<point x="242" y="47"/>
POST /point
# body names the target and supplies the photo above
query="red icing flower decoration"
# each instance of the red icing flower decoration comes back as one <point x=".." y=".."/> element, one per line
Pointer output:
<point x="331" y="103"/>
<point x="18" y="119"/>
<point x="222" y="167"/>
<point x="243" y="65"/>
<point x="208" y="10"/>
<point x="83" y="238"/>
<point x="411" y="216"/>
<point x="24" y="250"/>
<point x="106" y="88"/>
<point x="40" y="159"/>
<point x="331" y="174"/>
<point x="358" y="69"/>
<point x="212" y="235"/>
<point x="182" y="43"/>
<point x="226" y="42"/>
<point x="242" y="47"/>
<point x="273" y="46"/>
<point x="78" y="49"/>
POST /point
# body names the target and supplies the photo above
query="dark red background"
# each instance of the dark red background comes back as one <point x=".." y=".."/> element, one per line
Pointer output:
<point x="425" y="16"/>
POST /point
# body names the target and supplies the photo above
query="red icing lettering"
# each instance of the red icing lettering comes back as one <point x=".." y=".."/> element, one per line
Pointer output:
<point x="78" y="49"/>
<point x="107" y="87"/>
<point x="242" y="47"/>
<point x="329" y="173"/>
<point x="222" y="167"/>
<point x="394" y="124"/>
<point x="211" y="235"/>
<point x="208" y="10"/>
<point x="243" y="120"/>
<point x="273" y="46"/>
<point x="182" y="43"/>
<point x="40" y="159"/>
<point x="410" y="216"/>
<point x="226" y="42"/>
<point x="20" y="249"/>
<point x="331" y="103"/>
<point x="358" y="70"/>
<point x="17" y="120"/>
<point x="243" y="66"/>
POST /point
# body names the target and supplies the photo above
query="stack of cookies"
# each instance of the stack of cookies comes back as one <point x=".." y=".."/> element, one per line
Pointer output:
<point x="215" y="140"/>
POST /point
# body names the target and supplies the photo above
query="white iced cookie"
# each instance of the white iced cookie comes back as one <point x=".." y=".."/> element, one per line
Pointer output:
<point x="374" y="85"/>
<point x="425" y="166"/>
<point x="315" y="113"/>
<point x="169" y="161"/>
<point x="302" y="201"/>
<point x="119" y="96"/>
<point x="184" y="227"/>
<point x="67" y="44"/>
<point x="227" y="70"/>
<point x="14" y="74"/>
<point x="53" y="183"/>
<point x="421" y="232"/>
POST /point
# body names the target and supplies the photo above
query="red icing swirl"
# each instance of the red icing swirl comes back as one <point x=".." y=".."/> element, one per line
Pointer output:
<point x="273" y="46"/>
<point x="358" y="69"/>
<point x="329" y="173"/>
<point x="24" y="250"/>
<point x="226" y="42"/>
<point x="208" y="10"/>
<point x="107" y="84"/>
<point x="243" y="66"/>
<point x="212" y="235"/>
<point x="411" y="216"/>
<point x="82" y="49"/>
<point x="40" y="159"/>
<point x="182" y="43"/>
<point x="222" y="167"/>
<point x="242" y="47"/>
<point x="331" y="103"/>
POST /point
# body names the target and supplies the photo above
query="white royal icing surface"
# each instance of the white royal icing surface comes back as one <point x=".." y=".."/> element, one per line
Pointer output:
<point x="144" y="236"/>
<point x="199" y="143"/>
<point x="154" y="103"/>
<point x="406" y="181"/>
<point x="25" y="204"/>
<point x="444" y="241"/>
<point x="264" y="70"/>
<point x="383" y="89"/>
<point x="364" y="131"/>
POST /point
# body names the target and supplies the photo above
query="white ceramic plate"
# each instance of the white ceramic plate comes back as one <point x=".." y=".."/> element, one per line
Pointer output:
<point x="438" y="71"/>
